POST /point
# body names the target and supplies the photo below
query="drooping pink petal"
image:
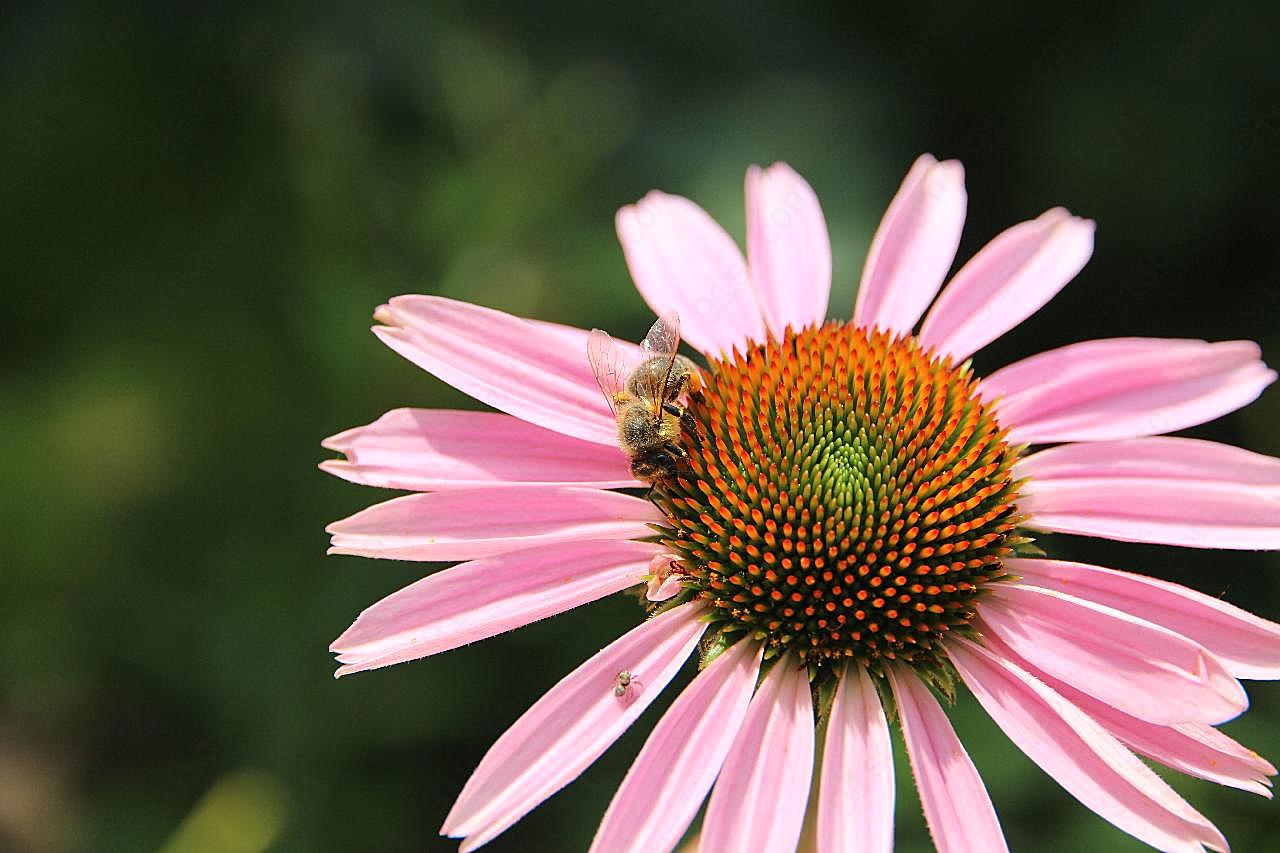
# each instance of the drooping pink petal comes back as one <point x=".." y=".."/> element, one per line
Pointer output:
<point x="572" y="725"/>
<point x="682" y="260"/>
<point x="1192" y="748"/>
<point x="1134" y="665"/>
<point x="1124" y="388"/>
<point x="914" y="246"/>
<point x="666" y="784"/>
<point x="788" y="249"/>
<point x="433" y="449"/>
<point x="1007" y="281"/>
<point x="1080" y="755"/>
<point x="534" y="370"/>
<point x="1197" y="750"/>
<point x="1247" y="645"/>
<point x="1173" y="491"/>
<point x="956" y="805"/>
<point x="856" y="793"/>
<point x="759" y="801"/>
<point x="464" y="525"/>
<point x="485" y="597"/>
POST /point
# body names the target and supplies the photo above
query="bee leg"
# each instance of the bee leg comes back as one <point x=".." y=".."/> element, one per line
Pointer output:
<point x="688" y="424"/>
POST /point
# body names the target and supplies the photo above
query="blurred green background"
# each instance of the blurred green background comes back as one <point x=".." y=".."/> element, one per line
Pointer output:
<point x="202" y="205"/>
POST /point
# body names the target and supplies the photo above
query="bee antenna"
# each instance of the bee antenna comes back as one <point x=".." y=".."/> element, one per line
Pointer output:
<point x="666" y="380"/>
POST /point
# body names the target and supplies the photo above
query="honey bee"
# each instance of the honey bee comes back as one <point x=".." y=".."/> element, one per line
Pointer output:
<point x="651" y="421"/>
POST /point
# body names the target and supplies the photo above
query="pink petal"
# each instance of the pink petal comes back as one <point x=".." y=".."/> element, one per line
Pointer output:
<point x="485" y="597"/>
<point x="1124" y="388"/>
<point x="1195" y="749"/>
<point x="1160" y="457"/>
<point x="788" y="249"/>
<point x="666" y="784"/>
<point x="1248" y="646"/>
<point x="682" y="261"/>
<point x="1192" y="748"/>
<point x="431" y="449"/>
<point x="956" y="805"/>
<point x="1175" y="491"/>
<point x="464" y="525"/>
<point x="914" y="246"/>
<point x="1007" y="281"/>
<point x="572" y="725"/>
<point x="534" y="370"/>
<point x="1136" y="666"/>
<point x="856" y="794"/>
<point x="1080" y="756"/>
<point x="1065" y="362"/>
<point x="759" y="801"/>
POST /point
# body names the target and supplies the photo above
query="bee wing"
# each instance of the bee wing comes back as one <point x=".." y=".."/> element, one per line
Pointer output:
<point x="608" y="365"/>
<point x="664" y="337"/>
<point x="660" y="347"/>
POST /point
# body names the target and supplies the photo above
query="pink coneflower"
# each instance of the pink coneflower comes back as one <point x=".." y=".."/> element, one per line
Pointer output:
<point x="852" y="526"/>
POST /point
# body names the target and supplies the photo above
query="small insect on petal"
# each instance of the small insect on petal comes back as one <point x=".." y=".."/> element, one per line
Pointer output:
<point x="664" y="578"/>
<point x="626" y="685"/>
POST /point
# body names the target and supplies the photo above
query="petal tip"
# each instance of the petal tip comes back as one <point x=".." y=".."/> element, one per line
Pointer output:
<point x="334" y="442"/>
<point x="949" y="169"/>
<point x="946" y="179"/>
<point x="1084" y="224"/>
<point x="782" y="168"/>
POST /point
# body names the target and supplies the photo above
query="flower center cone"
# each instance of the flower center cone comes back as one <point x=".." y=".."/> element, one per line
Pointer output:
<point x="847" y="495"/>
